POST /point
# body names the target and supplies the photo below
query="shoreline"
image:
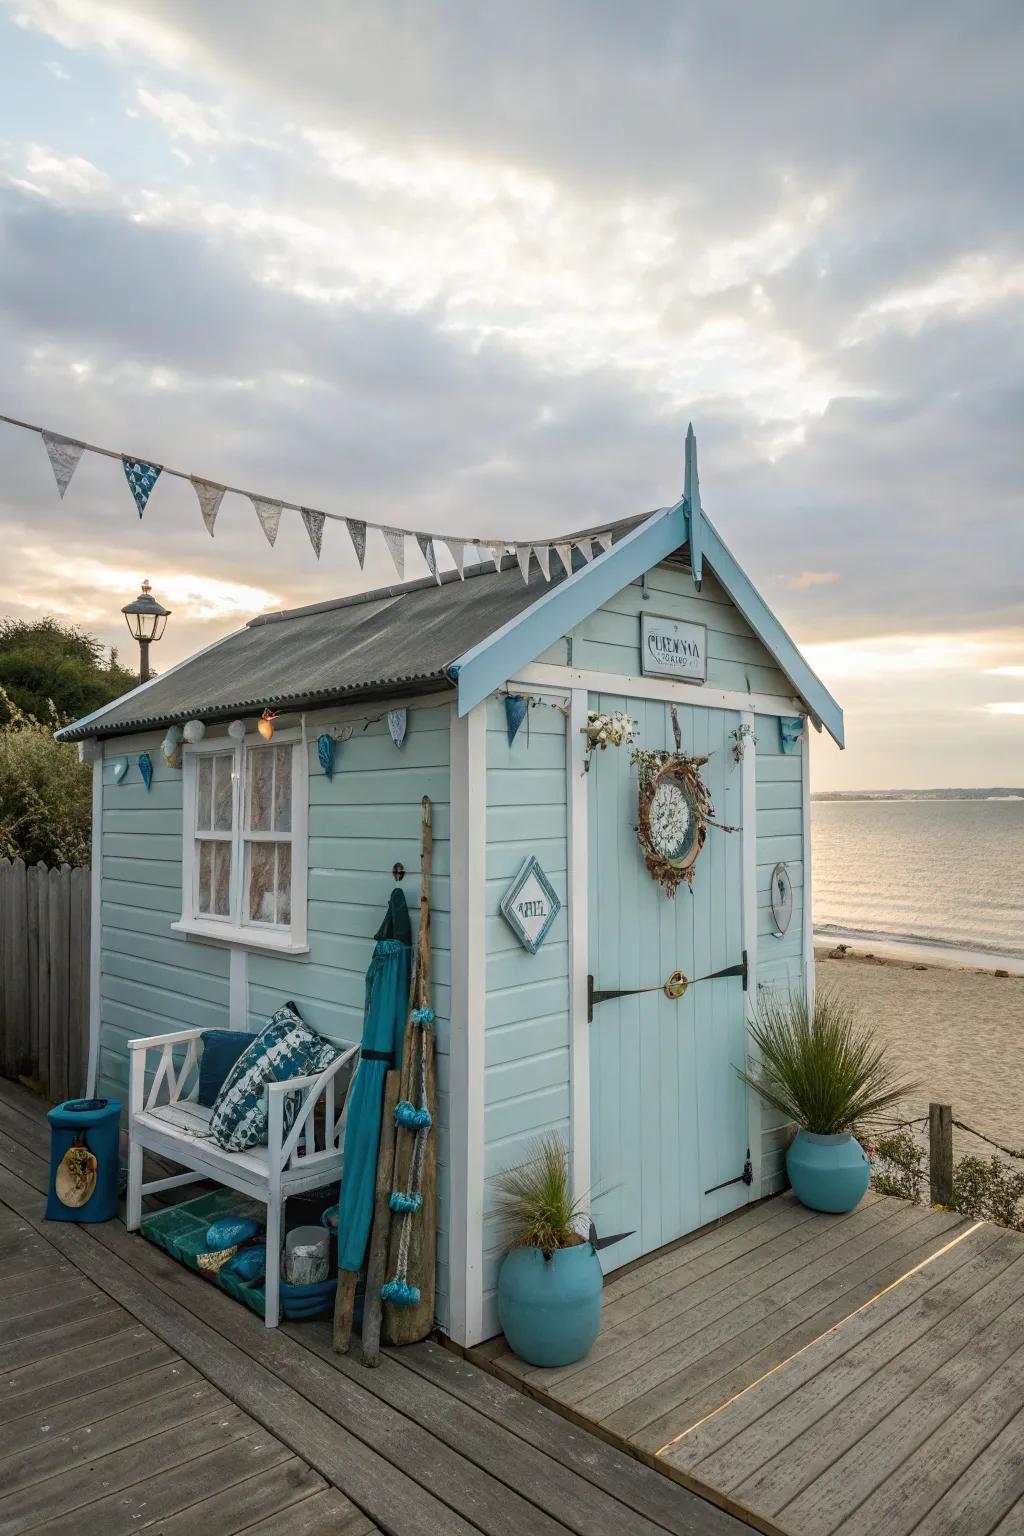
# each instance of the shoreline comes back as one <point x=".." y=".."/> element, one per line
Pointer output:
<point x="914" y="951"/>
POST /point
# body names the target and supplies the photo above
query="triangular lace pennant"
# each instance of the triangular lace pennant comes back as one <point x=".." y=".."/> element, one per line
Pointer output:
<point x="269" y="514"/>
<point x="394" y="538"/>
<point x="141" y="479"/>
<point x="426" y="545"/>
<point x="210" y="497"/>
<point x="564" y="553"/>
<point x="457" y="550"/>
<point x="605" y="540"/>
<point x="586" y="549"/>
<point x="357" y="533"/>
<point x="523" y="556"/>
<point x="543" y="553"/>
<point x="497" y="554"/>
<point x="314" y="522"/>
<point x="64" y="454"/>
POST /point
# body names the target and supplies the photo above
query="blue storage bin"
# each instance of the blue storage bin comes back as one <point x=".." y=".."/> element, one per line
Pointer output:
<point x="96" y="1124"/>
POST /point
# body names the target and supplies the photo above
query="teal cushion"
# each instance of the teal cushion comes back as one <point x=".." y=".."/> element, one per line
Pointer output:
<point x="221" y="1049"/>
<point x="284" y="1049"/>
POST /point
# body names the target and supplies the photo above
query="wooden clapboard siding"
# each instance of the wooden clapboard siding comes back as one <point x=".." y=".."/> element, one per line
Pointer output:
<point x="609" y="640"/>
<point x="363" y="821"/>
<point x="780" y="801"/>
<point x="526" y="1087"/>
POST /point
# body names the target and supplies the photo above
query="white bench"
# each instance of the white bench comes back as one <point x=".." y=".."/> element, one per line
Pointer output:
<point x="168" y="1121"/>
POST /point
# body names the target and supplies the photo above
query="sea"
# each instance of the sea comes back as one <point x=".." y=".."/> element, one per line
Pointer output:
<point x="945" y="872"/>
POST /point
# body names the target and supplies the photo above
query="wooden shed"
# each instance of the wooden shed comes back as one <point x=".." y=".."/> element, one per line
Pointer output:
<point x="202" y="920"/>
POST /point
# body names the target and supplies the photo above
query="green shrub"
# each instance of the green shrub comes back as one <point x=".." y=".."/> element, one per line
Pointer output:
<point x="991" y="1190"/>
<point x="821" y="1068"/>
<point x="45" y="792"/>
<point x="897" y="1166"/>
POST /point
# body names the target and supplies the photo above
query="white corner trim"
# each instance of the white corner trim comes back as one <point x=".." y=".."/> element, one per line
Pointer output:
<point x="748" y="856"/>
<point x="238" y="988"/>
<point x="468" y="1004"/>
<point x="95" y="925"/>
<point x="544" y="674"/>
<point x="808" y="894"/>
<point x="578" y="896"/>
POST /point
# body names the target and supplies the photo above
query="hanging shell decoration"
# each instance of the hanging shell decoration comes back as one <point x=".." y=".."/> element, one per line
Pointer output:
<point x="265" y="723"/>
<point x="119" y="767"/>
<point x="171" y="746"/>
<point x="236" y="730"/>
<point x="325" y="752"/>
<point x="76" y="1176"/>
<point x="398" y="722"/>
<point x="146" y="768"/>
<point x="194" y="732"/>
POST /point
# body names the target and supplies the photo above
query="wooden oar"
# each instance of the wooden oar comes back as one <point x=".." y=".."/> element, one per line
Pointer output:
<point x="376" y="1263"/>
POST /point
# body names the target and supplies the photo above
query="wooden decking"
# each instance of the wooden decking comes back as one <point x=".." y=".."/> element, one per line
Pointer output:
<point x="862" y="1375"/>
<point x="135" y="1396"/>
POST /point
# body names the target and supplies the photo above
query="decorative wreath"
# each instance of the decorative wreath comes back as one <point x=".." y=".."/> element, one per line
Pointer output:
<point x="675" y="811"/>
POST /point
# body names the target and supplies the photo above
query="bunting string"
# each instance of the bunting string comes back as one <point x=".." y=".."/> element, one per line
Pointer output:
<point x="65" y="453"/>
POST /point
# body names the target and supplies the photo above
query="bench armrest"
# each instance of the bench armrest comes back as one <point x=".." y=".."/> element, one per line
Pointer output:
<point x="166" y="1075"/>
<point x="177" y="1037"/>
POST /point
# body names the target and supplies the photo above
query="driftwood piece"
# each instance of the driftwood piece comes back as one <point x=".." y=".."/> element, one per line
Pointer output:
<point x="377" y="1259"/>
<point x="408" y="1325"/>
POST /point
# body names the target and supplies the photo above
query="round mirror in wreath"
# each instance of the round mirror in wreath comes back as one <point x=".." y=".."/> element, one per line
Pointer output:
<point x="673" y="811"/>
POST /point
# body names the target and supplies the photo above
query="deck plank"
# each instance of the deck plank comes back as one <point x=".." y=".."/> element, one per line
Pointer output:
<point x="24" y="1393"/>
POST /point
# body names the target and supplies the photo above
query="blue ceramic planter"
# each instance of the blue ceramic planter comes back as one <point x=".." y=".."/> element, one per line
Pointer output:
<point x="550" y="1309"/>
<point x="828" y="1173"/>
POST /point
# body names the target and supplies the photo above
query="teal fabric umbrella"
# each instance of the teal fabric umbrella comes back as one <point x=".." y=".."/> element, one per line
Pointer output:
<point x="387" y="1003"/>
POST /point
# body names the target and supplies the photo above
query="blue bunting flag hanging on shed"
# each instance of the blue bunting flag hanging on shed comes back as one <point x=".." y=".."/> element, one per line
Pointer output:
<point x="141" y="479"/>
<point x="515" y="713"/>
<point x="146" y="768"/>
<point x="325" y="752"/>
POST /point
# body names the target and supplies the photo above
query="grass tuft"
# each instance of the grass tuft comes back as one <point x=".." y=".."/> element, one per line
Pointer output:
<point x="535" y="1205"/>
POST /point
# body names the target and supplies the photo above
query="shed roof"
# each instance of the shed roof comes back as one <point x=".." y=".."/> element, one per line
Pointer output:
<point x="396" y="640"/>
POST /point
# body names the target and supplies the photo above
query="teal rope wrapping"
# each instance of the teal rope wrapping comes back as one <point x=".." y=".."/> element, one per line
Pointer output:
<point x="408" y="1203"/>
<point x="412" y="1118"/>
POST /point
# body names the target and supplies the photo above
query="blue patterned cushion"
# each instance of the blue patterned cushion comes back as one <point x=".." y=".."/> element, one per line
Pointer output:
<point x="284" y="1049"/>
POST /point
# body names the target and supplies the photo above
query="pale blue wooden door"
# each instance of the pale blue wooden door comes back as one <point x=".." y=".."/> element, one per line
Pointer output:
<point x="668" y="1110"/>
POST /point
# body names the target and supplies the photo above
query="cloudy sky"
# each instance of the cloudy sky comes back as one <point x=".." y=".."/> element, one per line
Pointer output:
<point x="473" y="266"/>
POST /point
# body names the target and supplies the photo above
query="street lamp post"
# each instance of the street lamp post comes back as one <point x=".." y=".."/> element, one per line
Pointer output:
<point x="146" y="618"/>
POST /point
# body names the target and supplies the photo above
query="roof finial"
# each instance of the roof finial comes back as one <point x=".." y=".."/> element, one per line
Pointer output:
<point x="691" y="490"/>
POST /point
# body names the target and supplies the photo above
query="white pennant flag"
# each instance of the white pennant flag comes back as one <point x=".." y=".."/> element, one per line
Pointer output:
<point x="426" y="545"/>
<point x="210" y="497"/>
<point x="64" y="454"/>
<point x="564" y="553"/>
<point x="394" y="538"/>
<point x="269" y="514"/>
<point x="357" y="533"/>
<point x="605" y="540"/>
<point x="314" y="522"/>
<point x="543" y="553"/>
<point x="497" y="554"/>
<point x="457" y="550"/>
<point x="586" y="549"/>
<point x="523" y="556"/>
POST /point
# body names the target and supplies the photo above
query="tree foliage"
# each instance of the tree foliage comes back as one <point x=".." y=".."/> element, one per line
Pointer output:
<point x="51" y="669"/>
<point x="45" y="792"/>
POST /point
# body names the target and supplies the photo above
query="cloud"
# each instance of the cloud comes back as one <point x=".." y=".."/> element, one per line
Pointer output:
<point x="804" y="580"/>
<point x="69" y="180"/>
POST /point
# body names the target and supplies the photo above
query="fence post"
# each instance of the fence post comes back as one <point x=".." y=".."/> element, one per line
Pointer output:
<point x="940" y="1153"/>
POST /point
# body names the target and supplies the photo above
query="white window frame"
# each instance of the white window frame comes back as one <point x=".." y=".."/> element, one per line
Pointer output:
<point x="289" y="938"/>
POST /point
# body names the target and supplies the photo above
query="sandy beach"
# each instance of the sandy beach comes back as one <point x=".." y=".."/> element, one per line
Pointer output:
<point x="958" y="1031"/>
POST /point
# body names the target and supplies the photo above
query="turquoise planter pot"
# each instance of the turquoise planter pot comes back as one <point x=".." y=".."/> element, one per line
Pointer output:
<point x="550" y="1309"/>
<point x="828" y="1173"/>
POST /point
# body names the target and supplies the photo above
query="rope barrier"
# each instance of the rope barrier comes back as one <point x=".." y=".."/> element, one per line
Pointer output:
<point x="1010" y="1152"/>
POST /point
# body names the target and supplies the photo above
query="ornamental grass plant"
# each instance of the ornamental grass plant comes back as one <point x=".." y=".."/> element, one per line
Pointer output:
<point x="820" y="1065"/>
<point x="535" y="1205"/>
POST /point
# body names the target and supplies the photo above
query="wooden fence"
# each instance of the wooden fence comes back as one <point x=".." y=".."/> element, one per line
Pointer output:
<point x="44" y="976"/>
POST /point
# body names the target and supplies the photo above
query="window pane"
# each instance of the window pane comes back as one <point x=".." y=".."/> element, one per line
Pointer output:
<point x="261" y="882"/>
<point x="204" y="793"/>
<point x="222" y="879"/>
<point x="284" y="883"/>
<point x="222" y="809"/>
<point x="283" y="790"/>
<point x="259" y="772"/>
<point x="204" y="852"/>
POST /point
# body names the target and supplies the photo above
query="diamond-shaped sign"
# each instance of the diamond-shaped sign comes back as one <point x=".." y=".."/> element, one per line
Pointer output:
<point x="530" y="906"/>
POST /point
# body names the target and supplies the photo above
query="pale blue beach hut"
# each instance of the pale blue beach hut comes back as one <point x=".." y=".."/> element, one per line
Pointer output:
<point x="553" y="928"/>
